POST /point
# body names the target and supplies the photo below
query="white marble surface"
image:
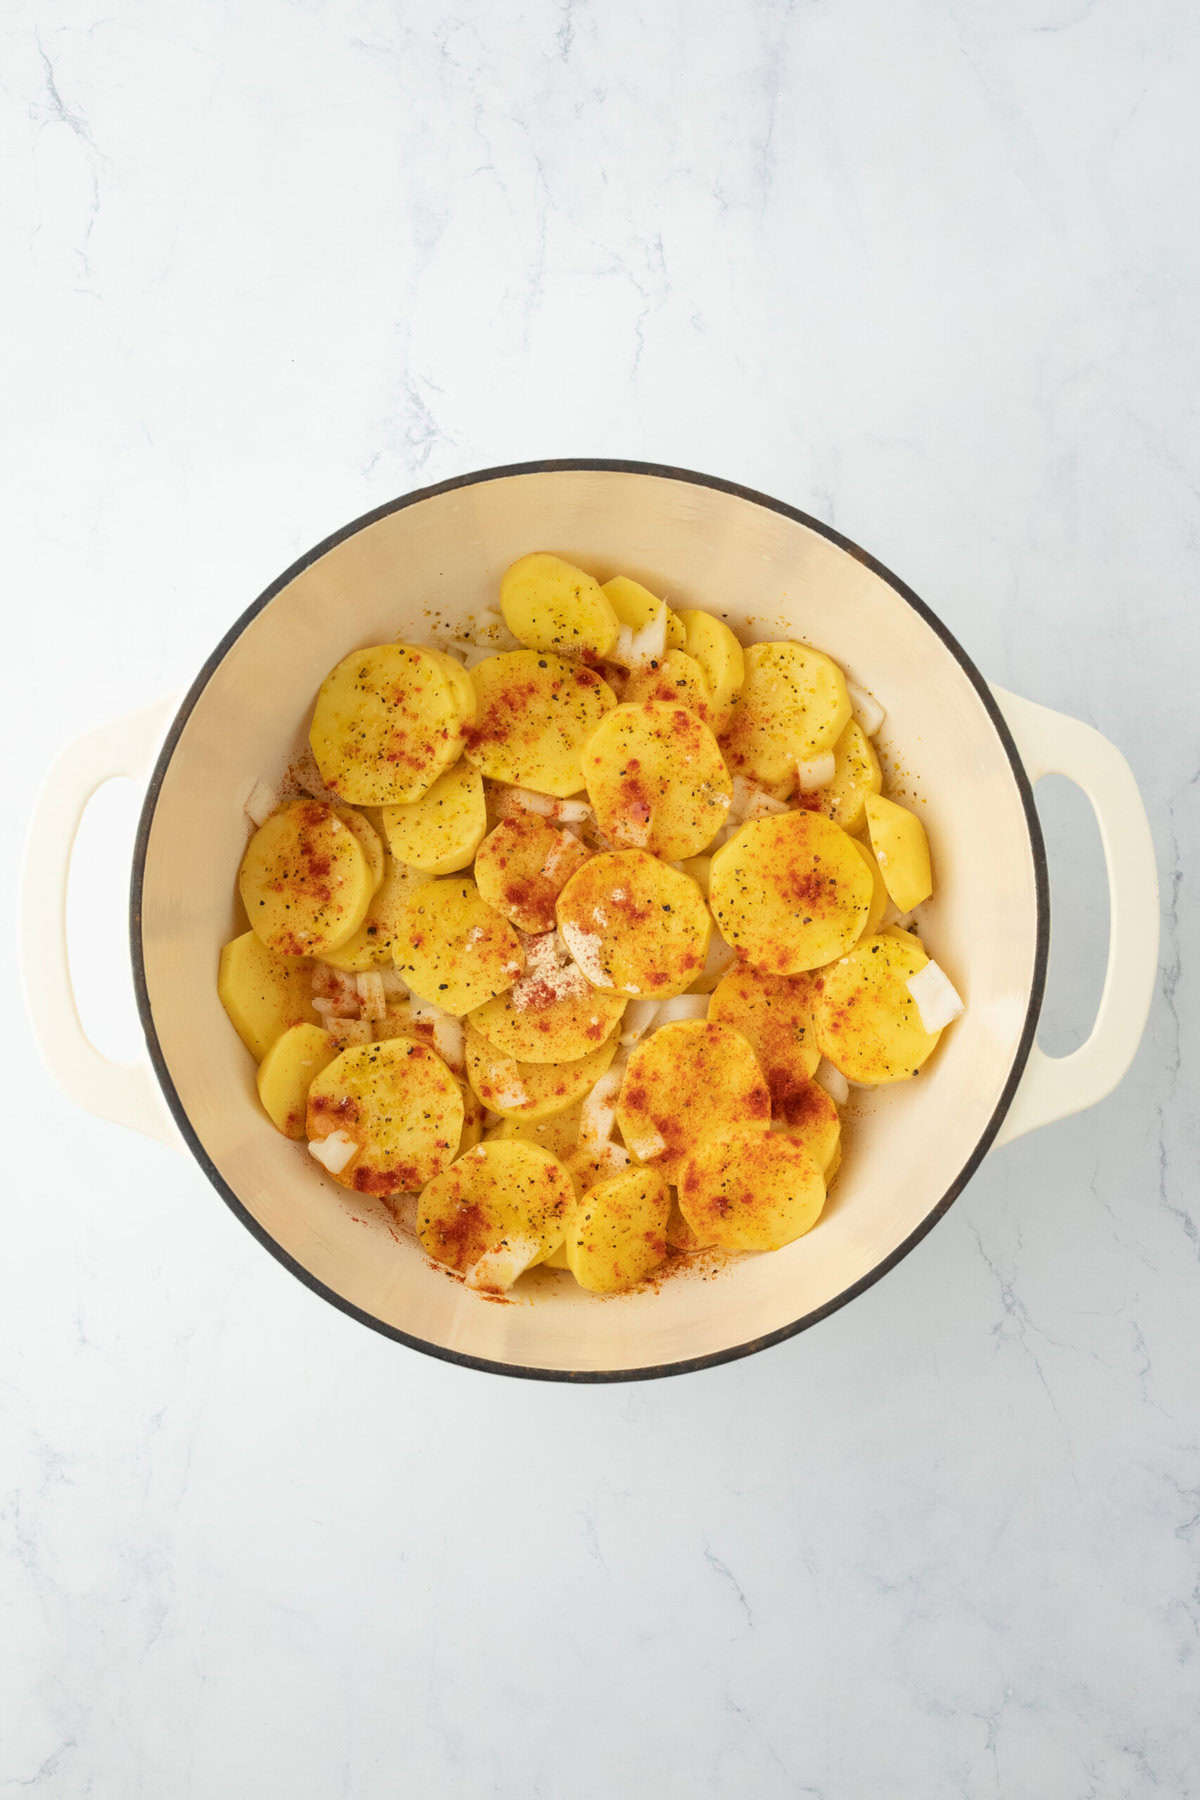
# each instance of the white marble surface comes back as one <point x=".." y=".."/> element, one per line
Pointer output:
<point x="929" y="270"/>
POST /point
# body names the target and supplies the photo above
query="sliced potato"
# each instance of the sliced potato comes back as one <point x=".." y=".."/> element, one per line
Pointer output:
<point x="473" y="1119"/>
<point x="634" y="925"/>
<point x="304" y="880"/>
<point x="386" y="724"/>
<point x="559" y="1134"/>
<point x="400" y="1106"/>
<point x="656" y="779"/>
<point x="440" y="833"/>
<point x="867" y="1023"/>
<point x="774" y="1013"/>
<point x="549" y="604"/>
<point x="677" y="680"/>
<point x="790" y="892"/>
<point x="700" y="870"/>
<point x="808" y="1114"/>
<point x="557" y="1258"/>
<point x="901" y="850"/>
<point x="686" y="1079"/>
<point x="535" y="713"/>
<point x="792" y="706"/>
<point x="531" y="1091"/>
<point x="522" y="867"/>
<point x="637" y="607"/>
<point x="452" y="948"/>
<point x="458" y="679"/>
<point x="550" y="1015"/>
<point x="616" y="1231"/>
<point x="288" y="1070"/>
<point x="369" y="840"/>
<point x="495" y="1212"/>
<point x="879" y="893"/>
<point x="263" y="992"/>
<point x="856" y="774"/>
<point x="750" y="1189"/>
<point x="374" y="942"/>
<point x="721" y="659"/>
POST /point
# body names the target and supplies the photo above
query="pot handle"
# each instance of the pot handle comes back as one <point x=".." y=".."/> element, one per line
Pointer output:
<point x="1053" y="1087"/>
<point x="123" y="1092"/>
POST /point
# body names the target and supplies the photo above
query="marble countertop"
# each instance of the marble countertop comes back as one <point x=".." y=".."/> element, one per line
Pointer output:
<point x="926" y="270"/>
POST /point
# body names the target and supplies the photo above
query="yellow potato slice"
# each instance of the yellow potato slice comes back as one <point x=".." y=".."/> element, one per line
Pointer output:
<point x="747" y="1189"/>
<point x="440" y="833"/>
<point x="535" y="714"/>
<point x="722" y="661"/>
<point x="531" y="1091"/>
<point x="374" y="942"/>
<point x="457" y="678"/>
<point x="683" y="1080"/>
<point x="867" y="1023"/>
<point x="452" y="948"/>
<point x="369" y="840"/>
<point x="522" y="867"/>
<point x="879" y="893"/>
<point x="496" y="1211"/>
<point x="263" y="992"/>
<point x="557" y="1259"/>
<point x="559" y="1134"/>
<point x="636" y="607"/>
<point x="473" y="1119"/>
<point x="901" y="850"/>
<point x="288" y="1070"/>
<point x="793" y="705"/>
<point x="304" y="880"/>
<point x="616" y="1231"/>
<point x="656" y="779"/>
<point x="386" y="724"/>
<point x="856" y="774"/>
<point x="399" y="1105"/>
<point x="677" y="680"/>
<point x="700" y="870"/>
<point x="810" y="1116"/>
<point x="790" y="892"/>
<point x="635" y="925"/>
<point x="549" y="604"/>
<point x="551" y="1015"/>
<point x="774" y="1014"/>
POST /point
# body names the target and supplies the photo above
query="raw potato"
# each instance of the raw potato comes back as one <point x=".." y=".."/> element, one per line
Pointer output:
<point x="856" y="774"/>
<point x="505" y="1201"/>
<point x="657" y="780"/>
<point x="721" y="659"/>
<point x="262" y="992"/>
<point x="677" y="680"/>
<point x="369" y="840"/>
<point x="793" y="705"/>
<point x="635" y="925"/>
<point x="549" y="1017"/>
<point x="531" y="1091"/>
<point x="559" y="1135"/>
<point x="616" y="1231"/>
<point x="535" y="714"/>
<point x="866" y="1021"/>
<point x="452" y="948"/>
<point x="901" y="850"/>
<point x="879" y="893"/>
<point x="401" y="1106"/>
<point x="791" y="892"/>
<point x="304" y="880"/>
<point x="387" y="723"/>
<point x="373" y="944"/>
<point x="522" y="867"/>
<point x="440" y="833"/>
<point x="636" y="607"/>
<point x="774" y="1014"/>
<point x="747" y="1189"/>
<point x="287" y="1071"/>
<point x="810" y="1116"/>
<point x="686" y="1079"/>
<point x="700" y="870"/>
<point x="458" y="679"/>
<point x="549" y="604"/>
<point x="473" y="1119"/>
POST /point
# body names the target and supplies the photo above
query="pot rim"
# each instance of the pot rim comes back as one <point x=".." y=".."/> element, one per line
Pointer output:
<point x="661" y="471"/>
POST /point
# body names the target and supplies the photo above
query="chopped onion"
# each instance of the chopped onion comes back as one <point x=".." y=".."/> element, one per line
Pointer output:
<point x="867" y="710"/>
<point x="611" y="1157"/>
<point x="938" y="1000"/>
<point x="816" y="773"/>
<point x="497" y="1269"/>
<point x="372" y="1001"/>
<point x="637" y="1020"/>
<point x="333" y="1152"/>
<point x="833" y="1081"/>
<point x="681" y="1007"/>
<point x="637" y="649"/>
<point x="260" y="803"/>
<point x="764" y="806"/>
<point x="506" y="800"/>
<point x="394" y="984"/>
<point x="750" y="801"/>
<point x="446" y="1031"/>
<point x="646" y="1143"/>
<point x="598" y="1114"/>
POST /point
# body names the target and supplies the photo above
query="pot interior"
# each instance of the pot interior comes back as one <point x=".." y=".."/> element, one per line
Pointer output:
<point x="770" y="574"/>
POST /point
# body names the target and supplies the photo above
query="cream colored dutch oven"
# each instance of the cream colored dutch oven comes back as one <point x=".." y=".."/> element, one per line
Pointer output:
<point x="972" y="751"/>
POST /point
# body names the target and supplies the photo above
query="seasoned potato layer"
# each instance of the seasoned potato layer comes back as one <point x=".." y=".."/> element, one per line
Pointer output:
<point x="686" y="1079"/>
<point x="400" y="1108"/>
<point x="495" y="1212"/>
<point x="634" y="925"/>
<point x="387" y="722"/>
<point x="867" y="1023"/>
<point x="749" y="1189"/>
<point x="656" y="779"/>
<point x="790" y="893"/>
<point x="305" y="881"/>
<point x="535" y="712"/>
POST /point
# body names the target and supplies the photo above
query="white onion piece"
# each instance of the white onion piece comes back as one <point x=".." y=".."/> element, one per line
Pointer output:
<point x="638" y="649"/>
<point x="497" y="1269"/>
<point x="816" y="773"/>
<point x="260" y="803"/>
<point x="610" y="1157"/>
<point x="938" y="1000"/>
<point x="394" y="984"/>
<point x="637" y="1020"/>
<point x="867" y="710"/>
<point x="646" y="1143"/>
<point x="681" y="1007"/>
<point x="507" y="800"/>
<point x="598" y="1114"/>
<point x="833" y="1081"/>
<point x="449" y="1041"/>
<point x="512" y="1094"/>
<point x="372" y="1001"/>
<point x="765" y="806"/>
<point x="333" y="1152"/>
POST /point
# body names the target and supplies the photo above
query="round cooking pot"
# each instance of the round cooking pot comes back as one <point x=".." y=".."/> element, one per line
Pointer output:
<point x="971" y="751"/>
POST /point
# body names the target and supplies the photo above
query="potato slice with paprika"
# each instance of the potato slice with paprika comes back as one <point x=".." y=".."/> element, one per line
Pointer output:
<point x="807" y="1114"/>
<point x="387" y="722"/>
<point x="656" y="779"/>
<point x="373" y="943"/>
<point x="675" y="681"/>
<point x="616" y="1230"/>
<point x="440" y="833"/>
<point x="792" y="706"/>
<point x="304" y="881"/>
<point x="634" y="925"/>
<point x="790" y="892"/>
<point x="686" y="1079"/>
<point x="637" y="607"/>
<point x="559" y="1134"/>
<point x="774" y="1013"/>
<point x="901" y="850"/>
<point x="287" y="1072"/>
<point x="495" y="1212"/>
<point x="531" y="1091"/>
<point x="368" y="838"/>
<point x="856" y="774"/>
<point x="549" y="604"/>
<point x="552" y="1014"/>
<point x="452" y="948"/>
<point x="866" y="1021"/>
<point x="263" y="992"/>
<point x="750" y="1189"/>
<point x="535" y="712"/>
<point x="523" y="865"/>
<point x="721" y="659"/>
<point x="398" y="1106"/>
<point x="879" y="893"/>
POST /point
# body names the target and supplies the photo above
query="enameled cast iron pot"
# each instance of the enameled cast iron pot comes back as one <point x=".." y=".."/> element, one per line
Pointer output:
<point x="972" y="751"/>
